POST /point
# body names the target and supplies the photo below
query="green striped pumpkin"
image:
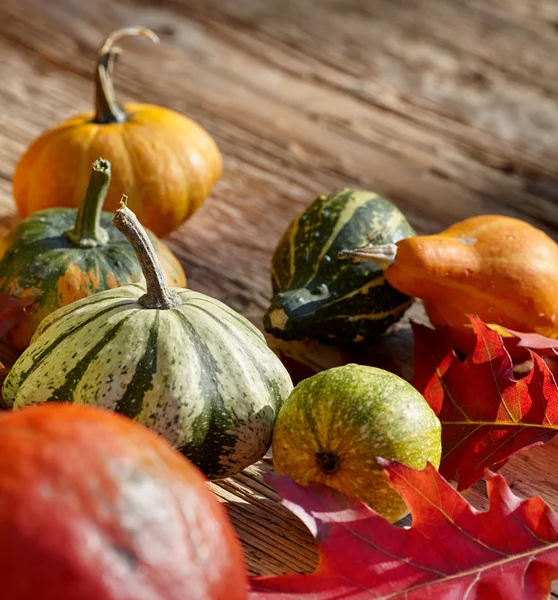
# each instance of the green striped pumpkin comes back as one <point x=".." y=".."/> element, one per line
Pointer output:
<point x="319" y="295"/>
<point x="179" y="362"/>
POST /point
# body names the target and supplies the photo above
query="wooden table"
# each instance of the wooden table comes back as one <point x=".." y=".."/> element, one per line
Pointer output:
<point x="448" y="107"/>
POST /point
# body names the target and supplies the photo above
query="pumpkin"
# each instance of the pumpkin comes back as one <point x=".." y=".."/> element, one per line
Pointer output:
<point x="502" y="269"/>
<point x="95" y="507"/>
<point x="165" y="162"/>
<point x="316" y="294"/>
<point x="60" y="255"/>
<point x="175" y="360"/>
<point x="335" y="423"/>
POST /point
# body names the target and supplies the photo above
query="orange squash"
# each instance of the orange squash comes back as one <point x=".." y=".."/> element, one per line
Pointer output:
<point x="502" y="269"/>
<point x="164" y="162"/>
<point x="96" y="507"/>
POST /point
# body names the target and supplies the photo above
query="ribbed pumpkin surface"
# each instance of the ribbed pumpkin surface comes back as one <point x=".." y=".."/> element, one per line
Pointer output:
<point x="37" y="257"/>
<point x="318" y="294"/>
<point x="200" y="374"/>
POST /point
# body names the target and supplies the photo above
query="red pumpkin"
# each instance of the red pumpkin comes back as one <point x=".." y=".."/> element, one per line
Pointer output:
<point x="95" y="507"/>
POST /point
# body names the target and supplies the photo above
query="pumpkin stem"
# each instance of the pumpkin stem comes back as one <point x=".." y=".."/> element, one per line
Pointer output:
<point x="384" y="256"/>
<point x="158" y="295"/>
<point x="107" y="109"/>
<point x="87" y="232"/>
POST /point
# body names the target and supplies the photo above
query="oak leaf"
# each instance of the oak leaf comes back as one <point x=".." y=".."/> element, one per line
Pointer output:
<point x="450" y="552"/>
<point x="487" y="414"/>
<point x="533" y="341"/>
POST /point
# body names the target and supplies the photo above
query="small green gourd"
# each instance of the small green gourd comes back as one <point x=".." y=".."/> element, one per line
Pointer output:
<point x="318" y="294"/>
<point x="334" y="424"/>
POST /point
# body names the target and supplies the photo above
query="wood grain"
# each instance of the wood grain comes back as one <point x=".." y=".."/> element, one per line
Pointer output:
<point x="448" y="107"/>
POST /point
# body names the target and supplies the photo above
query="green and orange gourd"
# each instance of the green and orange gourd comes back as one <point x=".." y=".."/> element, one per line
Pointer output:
<point x="61" y="255"/>
<point x="164" y="162"/>
<point x="499" y="268"/>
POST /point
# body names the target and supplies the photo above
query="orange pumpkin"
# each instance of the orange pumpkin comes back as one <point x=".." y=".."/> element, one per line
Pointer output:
<point x="96" y="507"/>
<point x="499" y="268"/>
<point x="164" y="162"/>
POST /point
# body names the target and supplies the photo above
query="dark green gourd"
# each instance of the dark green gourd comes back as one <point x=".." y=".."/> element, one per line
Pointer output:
<point x="318" y="294"/>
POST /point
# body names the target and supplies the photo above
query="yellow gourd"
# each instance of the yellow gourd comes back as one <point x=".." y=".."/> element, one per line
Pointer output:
<point x="499" y="268"/>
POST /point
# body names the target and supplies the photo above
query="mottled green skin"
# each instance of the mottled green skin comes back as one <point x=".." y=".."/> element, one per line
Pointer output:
<point x="200" y="374"/>
<point x="318" y="294"/>
<point x="38" y="251"/>
<point x="354" y="414"/>
<point x="38" y="258"/>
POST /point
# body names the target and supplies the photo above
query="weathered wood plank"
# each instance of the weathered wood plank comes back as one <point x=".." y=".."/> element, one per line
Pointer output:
<point x="449" y="107"/>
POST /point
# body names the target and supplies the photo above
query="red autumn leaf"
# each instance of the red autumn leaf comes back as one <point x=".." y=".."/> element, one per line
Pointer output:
<point x="451" y="551"/>
<point x="518" y="343"/>
<point x="486" y="413"/>
<point x="8" y="356"/>
<point x="13" y="310"/>
<point x="534" y="341"/>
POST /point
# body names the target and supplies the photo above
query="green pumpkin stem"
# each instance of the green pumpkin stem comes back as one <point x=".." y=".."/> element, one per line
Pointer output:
<point x="158" y="295"/>
<point x="87" y="232"/>
<point x="384" y="256"/>
<point x="107" y="109"/>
